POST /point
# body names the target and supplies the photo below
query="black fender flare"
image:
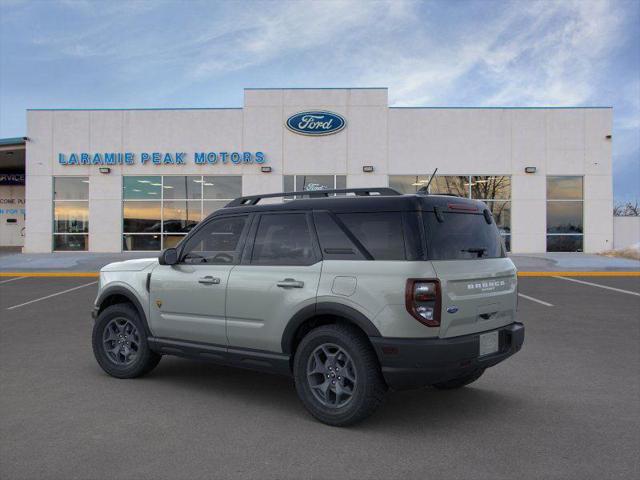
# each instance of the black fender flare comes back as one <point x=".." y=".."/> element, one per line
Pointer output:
<point x="119" y="290"/>
<point x="350" y="314"/>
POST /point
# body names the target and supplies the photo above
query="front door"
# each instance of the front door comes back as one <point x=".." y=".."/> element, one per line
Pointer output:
<point x="278" y="277"/>
<point x="188" y="300"/>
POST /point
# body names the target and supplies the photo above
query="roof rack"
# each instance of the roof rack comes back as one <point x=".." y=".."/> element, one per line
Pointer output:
<point x="360" y="192"/>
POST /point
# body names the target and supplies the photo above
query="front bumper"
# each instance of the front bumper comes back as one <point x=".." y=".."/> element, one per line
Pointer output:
<point x="411" y="363"/>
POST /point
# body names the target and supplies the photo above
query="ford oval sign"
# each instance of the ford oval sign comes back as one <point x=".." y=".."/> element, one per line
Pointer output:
<point x="316" y="123"/>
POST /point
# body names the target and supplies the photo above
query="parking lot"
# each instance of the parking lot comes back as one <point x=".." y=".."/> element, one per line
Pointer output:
<point x="566" y="406"/>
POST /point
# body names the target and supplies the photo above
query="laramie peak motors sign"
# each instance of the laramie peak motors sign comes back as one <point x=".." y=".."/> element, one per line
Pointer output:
<point x="315" y="123"/>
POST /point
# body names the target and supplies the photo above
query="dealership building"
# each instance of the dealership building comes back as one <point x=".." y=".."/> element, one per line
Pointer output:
<point x="109" y="180"/>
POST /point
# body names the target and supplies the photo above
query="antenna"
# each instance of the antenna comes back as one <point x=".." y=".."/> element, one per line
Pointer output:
<point x="425" y="190"/>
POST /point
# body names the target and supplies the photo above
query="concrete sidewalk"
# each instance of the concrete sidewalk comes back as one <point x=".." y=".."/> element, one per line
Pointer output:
<point x="92" y="262"/>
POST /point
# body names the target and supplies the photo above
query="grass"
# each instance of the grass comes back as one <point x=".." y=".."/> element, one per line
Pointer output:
<point x="632" y="253"/>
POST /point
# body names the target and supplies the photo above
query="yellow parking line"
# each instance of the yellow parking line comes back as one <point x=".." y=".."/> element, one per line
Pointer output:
<point x="49" y="274"/>
<point x="579" y="274"/>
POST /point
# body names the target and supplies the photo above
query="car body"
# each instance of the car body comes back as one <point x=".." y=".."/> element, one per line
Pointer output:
<point x="409" y="290"/>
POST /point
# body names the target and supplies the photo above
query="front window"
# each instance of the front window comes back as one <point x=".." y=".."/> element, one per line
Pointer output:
<point x="217" y="242"/>
<point x="494" y="190"/>
<point x="564" y="214"/>
<point x="70" y="213"/>
<point x="158" y="211"/>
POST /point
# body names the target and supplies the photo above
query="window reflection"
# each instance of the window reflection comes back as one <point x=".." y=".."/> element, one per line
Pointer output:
<point x="309" y="183"/>
<point x="449" y="184"/>
<point x="564" y="188"/>
<point x="69" y="242"/>
<point x="501" y="214"/>
<point x="180" y="215"/>
<point x="139" y="187"/>
<point x="564" y="243"/>
<point x="140" y="242"/>
<point x="564" y="217"/>
<point x="70" y="213"/>
<point x="171" y="205"/>
<point x="71" y="188"/>
<point x="408" y="184"/>
<point x="141" y="217"/>
<point x="225" y="187"/>
<point x="491" y="187"/>
<point x="186" y="187"/>
<point x="71" y="217"/>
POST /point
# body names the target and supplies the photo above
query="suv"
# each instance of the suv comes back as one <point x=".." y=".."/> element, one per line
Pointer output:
<point x="351" y="292"/>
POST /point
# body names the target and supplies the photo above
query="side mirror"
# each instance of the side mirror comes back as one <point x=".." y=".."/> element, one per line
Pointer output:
<point x="168" y="256"/>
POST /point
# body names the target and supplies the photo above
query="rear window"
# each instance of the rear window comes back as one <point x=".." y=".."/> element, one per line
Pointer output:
<point x="461" y="236"/>
<point x="380" y="233"/>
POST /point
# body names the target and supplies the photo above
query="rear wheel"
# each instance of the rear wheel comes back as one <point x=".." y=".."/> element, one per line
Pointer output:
<point x="337" y="375"/>
<point x="120" y="343"/>
<point x="460" y="381"/>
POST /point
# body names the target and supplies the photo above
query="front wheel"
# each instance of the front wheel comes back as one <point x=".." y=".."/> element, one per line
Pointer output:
<point x="337" y="375"/>
<point x="120" y="343"/>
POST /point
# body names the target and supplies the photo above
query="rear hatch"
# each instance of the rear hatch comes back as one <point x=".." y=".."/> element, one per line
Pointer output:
<point x="478" y="282"/>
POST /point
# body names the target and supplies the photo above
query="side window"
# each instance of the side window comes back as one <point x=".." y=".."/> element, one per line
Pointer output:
<point x="218" y="242"/>
<point x="381" y="233"/>
<point x="283" y="239"/>
<point x="334" y="242"/>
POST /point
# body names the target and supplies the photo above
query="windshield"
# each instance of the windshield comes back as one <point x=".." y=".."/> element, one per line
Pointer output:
<point x="461" y="236"/>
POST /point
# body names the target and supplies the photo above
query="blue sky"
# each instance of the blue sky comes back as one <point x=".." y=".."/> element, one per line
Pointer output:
<point x="111" y="54"/>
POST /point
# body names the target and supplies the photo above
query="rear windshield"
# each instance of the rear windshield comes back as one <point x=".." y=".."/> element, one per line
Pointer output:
<point x="461" y="236"/>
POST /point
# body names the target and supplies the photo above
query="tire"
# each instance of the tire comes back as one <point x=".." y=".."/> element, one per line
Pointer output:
<point x="359" y="387"/>
<point x="120" y="326"/>
<point x="460" y="381"/>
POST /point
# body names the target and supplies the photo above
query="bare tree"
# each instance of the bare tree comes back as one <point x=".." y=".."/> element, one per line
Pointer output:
<point x="628" y="209"/>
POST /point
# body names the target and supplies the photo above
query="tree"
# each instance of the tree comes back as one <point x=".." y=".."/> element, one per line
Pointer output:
<point x="628" y="209"/>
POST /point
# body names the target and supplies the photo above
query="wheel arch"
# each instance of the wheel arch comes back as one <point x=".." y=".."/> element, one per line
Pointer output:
<point x="117" y="294"/>
<point x="323" y="313"/>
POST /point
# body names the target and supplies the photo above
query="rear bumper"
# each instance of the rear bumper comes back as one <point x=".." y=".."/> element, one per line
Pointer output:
<point x="410" y="363"/>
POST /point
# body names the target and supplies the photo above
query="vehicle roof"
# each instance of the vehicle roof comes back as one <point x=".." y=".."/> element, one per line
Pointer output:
<point x="372" y="203"/>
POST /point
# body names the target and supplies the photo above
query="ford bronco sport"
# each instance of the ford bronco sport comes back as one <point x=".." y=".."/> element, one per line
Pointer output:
<point x="351" y="292"/>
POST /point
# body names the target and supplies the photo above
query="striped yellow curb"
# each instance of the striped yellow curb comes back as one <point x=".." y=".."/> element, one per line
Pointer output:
<point x="50" y="274"/>
<point x="520" y="274"/>
<point x="579" y="274"/>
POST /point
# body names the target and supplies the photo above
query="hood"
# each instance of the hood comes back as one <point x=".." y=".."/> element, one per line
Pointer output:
<point x="134" y="265"/>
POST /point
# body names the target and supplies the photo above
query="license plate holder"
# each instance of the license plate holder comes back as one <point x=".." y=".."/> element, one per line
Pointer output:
<point x="489" y="343"/>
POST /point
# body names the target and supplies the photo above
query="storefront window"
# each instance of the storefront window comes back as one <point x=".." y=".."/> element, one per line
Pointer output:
<point x="564" y="214"/>
<point x="310" y="183"/>
<point x="158" y="211"/>
<point x="494" y="190"/>
<point x="70" y="213"/>
<point x="408" y="184"/>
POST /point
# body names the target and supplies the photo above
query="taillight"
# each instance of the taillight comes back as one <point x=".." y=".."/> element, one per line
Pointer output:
<point x="422" y="298"/>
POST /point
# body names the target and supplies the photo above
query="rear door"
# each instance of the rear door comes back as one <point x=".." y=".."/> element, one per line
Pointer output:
<point x="478" y="282"/>
<point x="279" y="275"/>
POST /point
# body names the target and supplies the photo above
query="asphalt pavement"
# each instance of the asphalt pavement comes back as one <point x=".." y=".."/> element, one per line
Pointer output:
<point x="566" y="406"/>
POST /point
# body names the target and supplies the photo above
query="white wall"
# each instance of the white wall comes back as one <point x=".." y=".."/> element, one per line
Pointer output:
<point x="395" y="141"/>
<point x="626" y="232"/>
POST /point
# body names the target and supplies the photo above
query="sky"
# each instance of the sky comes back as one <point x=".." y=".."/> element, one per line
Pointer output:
<point x="138" y="53"/>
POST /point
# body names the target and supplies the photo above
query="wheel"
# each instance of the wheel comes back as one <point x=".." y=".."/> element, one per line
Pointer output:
<point x="337" y="375"/>
<point x="120" y="343"/>
<point x="460" y="381"/>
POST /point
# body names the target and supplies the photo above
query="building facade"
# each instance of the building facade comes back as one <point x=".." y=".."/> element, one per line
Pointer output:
<point x="120" y="180"/>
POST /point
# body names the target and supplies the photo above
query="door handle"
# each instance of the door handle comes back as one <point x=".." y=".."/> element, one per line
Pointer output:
<point x="290" y="283"/>
<point x="209" y="280"/>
